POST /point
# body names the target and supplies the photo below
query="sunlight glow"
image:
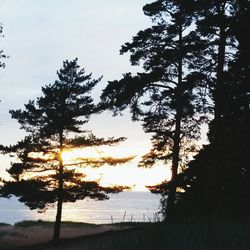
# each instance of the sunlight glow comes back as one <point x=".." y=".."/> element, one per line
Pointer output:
<point x="119" y="151"/>
<point x="128" y="174"/>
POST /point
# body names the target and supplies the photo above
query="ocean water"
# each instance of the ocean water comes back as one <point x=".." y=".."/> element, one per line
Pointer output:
<point x="126" y="206"/>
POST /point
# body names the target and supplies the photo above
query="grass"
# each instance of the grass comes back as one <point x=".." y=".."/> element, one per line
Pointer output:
<point x="192" y="233"/>
<point x="197" y="233"/>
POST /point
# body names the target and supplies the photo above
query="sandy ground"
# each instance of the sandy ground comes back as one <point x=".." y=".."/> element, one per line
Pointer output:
<point x="24" y="236"/>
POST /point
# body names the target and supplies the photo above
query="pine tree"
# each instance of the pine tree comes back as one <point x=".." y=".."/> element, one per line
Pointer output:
<point x="215" y="21"/>
<point x="169" y="97"/>
<point x="54" y="125"/>
<point x="217" y="181"/>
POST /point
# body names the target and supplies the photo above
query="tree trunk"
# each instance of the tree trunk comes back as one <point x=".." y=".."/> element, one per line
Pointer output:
<point x="57" y="225"/>
<point x="177" y="134"/>
<point x="175" y="164"/>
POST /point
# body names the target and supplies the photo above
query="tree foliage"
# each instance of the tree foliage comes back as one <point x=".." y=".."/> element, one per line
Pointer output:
<point x="217" y="181"/>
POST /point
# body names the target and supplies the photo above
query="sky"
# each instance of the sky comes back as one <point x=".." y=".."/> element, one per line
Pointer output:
<point x="40" y="34"/>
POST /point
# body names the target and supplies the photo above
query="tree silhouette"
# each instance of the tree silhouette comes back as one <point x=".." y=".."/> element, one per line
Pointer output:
<point x="54" y="125"/>
<point x="215" y="21"/>
<point x="217" y="181"/>
<point x="169" y="97"/>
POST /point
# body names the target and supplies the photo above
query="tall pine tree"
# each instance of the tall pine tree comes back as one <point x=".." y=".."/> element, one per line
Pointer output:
<point x="169" y="97"/>
<point x="217" y="181"/>
<point x="54" y="124"/>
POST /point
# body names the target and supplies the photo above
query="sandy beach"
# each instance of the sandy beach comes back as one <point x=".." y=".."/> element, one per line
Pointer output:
<point x="18" y="236"/>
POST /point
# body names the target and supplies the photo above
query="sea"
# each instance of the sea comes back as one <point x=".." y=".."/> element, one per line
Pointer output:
<point x="122" y="207"/>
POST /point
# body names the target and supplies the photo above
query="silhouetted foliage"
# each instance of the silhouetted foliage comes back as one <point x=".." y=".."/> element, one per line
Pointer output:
<point x="217" y="181"/>
<point x="170" y="97"/>
<point x="215" y="21"/>
<point x="54" y="124"/>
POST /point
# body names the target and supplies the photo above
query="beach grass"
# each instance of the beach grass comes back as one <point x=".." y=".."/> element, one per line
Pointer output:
<point x="199" y="233"/>
<point x="190" y="234"/>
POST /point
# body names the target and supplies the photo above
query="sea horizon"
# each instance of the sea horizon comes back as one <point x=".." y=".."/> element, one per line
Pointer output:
<point x="135" y="206"/>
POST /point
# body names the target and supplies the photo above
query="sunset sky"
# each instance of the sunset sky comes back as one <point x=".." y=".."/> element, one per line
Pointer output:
<point x="39" y="35"/>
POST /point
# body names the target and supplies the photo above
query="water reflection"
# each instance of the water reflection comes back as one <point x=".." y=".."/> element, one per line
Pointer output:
<point x="127" y="206"/>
